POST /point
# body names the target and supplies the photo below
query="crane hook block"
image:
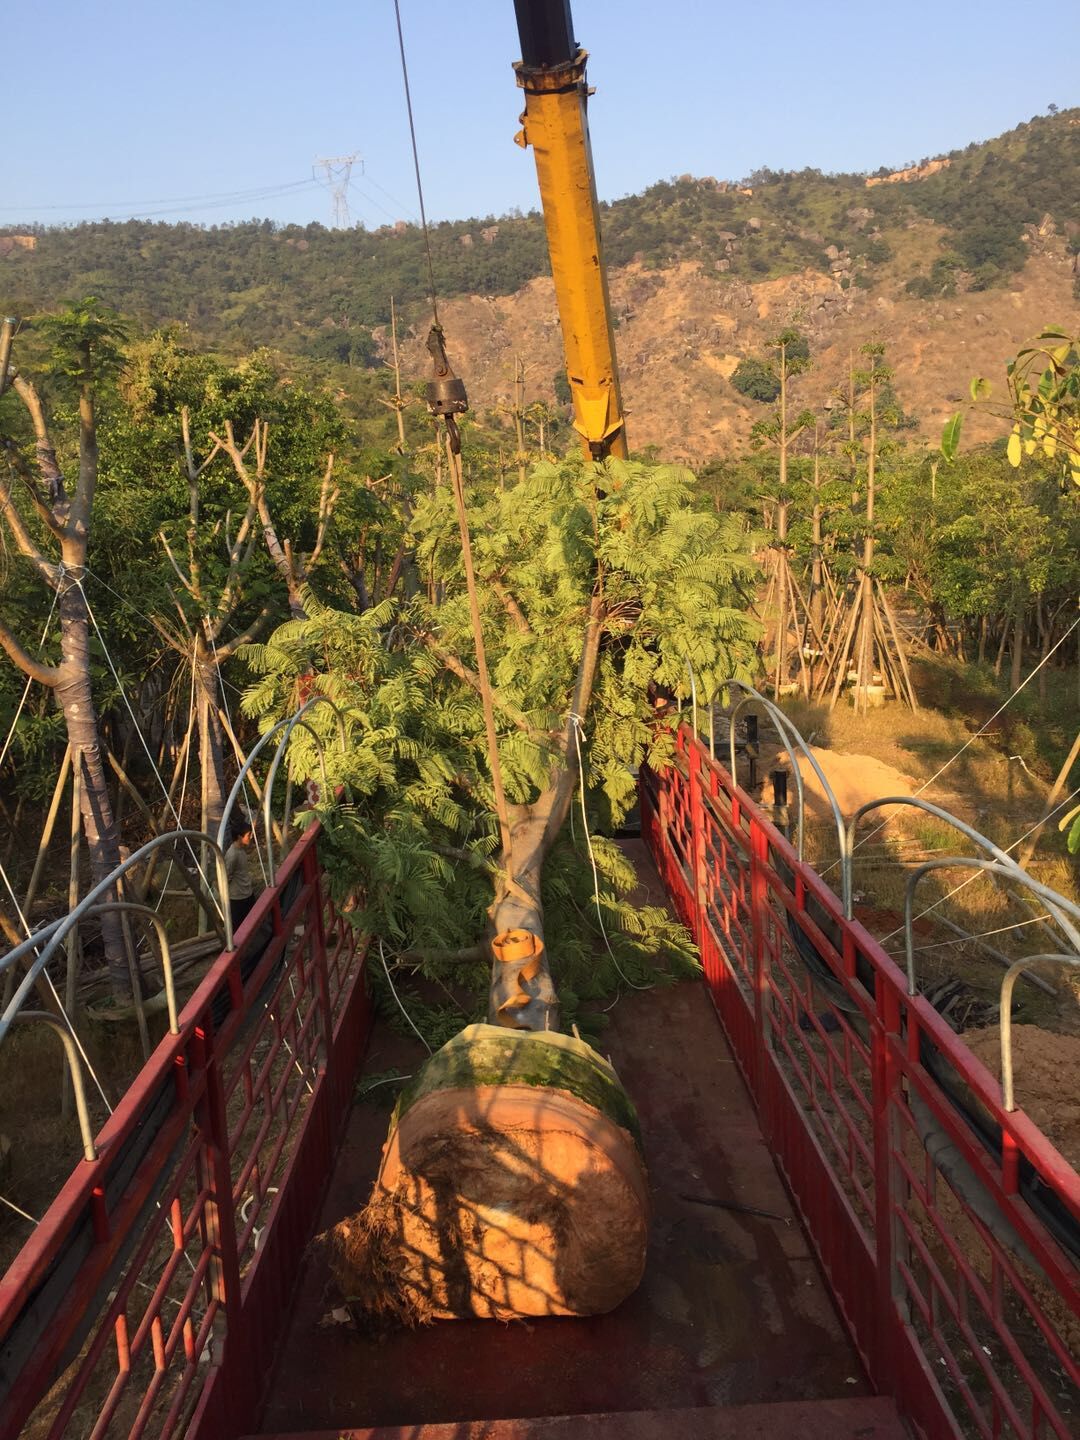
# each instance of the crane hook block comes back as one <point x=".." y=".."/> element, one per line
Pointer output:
<point x="445" y="393"/>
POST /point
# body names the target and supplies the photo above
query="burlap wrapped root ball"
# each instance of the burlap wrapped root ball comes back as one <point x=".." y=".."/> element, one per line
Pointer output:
<point x="512" y="1183"/>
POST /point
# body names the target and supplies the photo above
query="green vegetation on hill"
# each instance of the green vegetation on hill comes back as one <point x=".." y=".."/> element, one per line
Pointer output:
<point x="318" y="292"/>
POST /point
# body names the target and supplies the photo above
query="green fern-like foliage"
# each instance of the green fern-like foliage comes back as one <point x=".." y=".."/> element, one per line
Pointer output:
<point x="415" y="830"/>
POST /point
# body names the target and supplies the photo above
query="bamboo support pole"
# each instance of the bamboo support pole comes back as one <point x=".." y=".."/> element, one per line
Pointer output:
<point x="47" y="833"/>
<point x="913" y="699"/>
<point x="73" y="900"/>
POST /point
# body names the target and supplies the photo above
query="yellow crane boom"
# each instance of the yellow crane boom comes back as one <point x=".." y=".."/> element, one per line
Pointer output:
<point x="555" y="123"/>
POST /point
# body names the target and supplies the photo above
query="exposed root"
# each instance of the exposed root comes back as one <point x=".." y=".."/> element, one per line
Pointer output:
<point x="367" y="1264"/>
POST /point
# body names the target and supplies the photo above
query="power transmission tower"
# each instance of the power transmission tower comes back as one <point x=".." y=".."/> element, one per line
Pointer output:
<point x="335" y="172"/>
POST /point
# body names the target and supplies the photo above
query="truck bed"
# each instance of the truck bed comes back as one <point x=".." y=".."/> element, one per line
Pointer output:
<point x="732" y="1310"/>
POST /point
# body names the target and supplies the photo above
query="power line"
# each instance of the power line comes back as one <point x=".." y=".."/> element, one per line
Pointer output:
<point x="178" y="199"/>
<point x="370" y="180"/>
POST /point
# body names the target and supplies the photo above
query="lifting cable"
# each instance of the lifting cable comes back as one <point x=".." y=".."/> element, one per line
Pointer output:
<point x="416" y="164"/>
<point x="575" y="722"/>
<point x="446" y="398"/>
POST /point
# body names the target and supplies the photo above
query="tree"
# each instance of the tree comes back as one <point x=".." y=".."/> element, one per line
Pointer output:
<point x="780" y="432"/>
<point x="218" y="506"/>
<point x="757" y="380"/>
<point x="867" y="634"/>
<point x="1045" y="414"/>
<point x="85" y="344"/>
<point x="595" y="581"/>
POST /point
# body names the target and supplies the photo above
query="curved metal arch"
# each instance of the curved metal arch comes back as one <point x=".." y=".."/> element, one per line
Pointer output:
<point x="794" y="733"/>
<point x="693" y="695"/>
<point x="32" y="942"/>
<point x="296" y="723"/>
<point x="786" y="738"/>
<point x="261" y="743"/>
<point x="71" y="1053"/>
<point x="989" y="866"/>
<point x="1005" y="1010"/>
<point x="158" y="925"/>
<point x="101" y="889"/>
<point x="788" y="729"/>
<point x="917" y="803"/>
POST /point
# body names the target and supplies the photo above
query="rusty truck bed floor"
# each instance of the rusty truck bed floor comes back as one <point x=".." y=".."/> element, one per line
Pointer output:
<point x="732" y="1310"/>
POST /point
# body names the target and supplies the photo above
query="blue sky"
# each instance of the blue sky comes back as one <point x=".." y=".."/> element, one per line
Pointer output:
<point x="120" y="107"/>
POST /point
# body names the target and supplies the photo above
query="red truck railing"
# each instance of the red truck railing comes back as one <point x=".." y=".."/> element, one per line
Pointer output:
<point x="947" y="1227"/>
<point x="151" y="1296"/>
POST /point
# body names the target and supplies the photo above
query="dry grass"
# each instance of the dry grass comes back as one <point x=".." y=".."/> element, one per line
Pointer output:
<point x="996" y="794"/>
<point x="44" y="1146"/>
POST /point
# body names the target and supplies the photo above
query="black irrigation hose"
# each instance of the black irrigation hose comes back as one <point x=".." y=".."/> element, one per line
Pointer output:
<point x="1038" y="1195"/>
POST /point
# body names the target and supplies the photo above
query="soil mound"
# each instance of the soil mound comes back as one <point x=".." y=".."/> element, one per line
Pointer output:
<point x="1046" y="1079"/>
<point x="855" y="780"/>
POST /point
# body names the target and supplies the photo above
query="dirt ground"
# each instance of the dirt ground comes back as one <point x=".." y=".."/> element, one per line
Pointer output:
<point x="1046" y="1079"/>
<point x="854" y="780"/>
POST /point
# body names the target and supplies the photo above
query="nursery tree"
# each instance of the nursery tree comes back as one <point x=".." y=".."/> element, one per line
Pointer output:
<point x="595" y="580"/>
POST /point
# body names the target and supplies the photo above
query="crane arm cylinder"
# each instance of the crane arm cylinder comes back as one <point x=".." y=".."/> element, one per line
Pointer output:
<point x="552" y="75"/>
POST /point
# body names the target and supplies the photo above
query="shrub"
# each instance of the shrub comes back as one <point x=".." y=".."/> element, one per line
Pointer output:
<point x="757" y="380"/>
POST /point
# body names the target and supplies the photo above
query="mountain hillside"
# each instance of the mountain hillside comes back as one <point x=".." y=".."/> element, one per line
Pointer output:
<point x="952" y="262"/>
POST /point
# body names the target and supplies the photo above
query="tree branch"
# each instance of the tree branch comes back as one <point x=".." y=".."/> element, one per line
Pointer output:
<point x="88" y="466"/>
<point x="328" y="498"/>
<point x="171" y="637"/>
<point x="21" y="535"/>
<point x="43" y="446"/>
<point x="470" y="677"/>
<point x="43" y="674"/>
<point x="230" y="648"/>
<point x="511" y="606"/>
<point x="188" y="586"/>
<point x="45" y="514"/>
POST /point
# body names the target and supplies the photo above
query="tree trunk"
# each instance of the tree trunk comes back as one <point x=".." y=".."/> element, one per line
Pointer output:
<point x="1017" y="648"/>
<point x="516" y="999"/>
<point x="211" y="742"/>
<point x="817" y="579"/>
<point x="75" y="698"/>
<point x="1001" y="645"/>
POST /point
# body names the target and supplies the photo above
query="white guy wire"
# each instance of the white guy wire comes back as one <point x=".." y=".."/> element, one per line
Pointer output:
<point x="575" y="721"/>
<point x="146" y="747"/>
<point x="18" y="1211"/>
<point x="397" y="997"/>
<point x="29" y="678"/>
<point x="969" y="741"/>
<point x="228" y="716"/>
<point x="978" y="874"/>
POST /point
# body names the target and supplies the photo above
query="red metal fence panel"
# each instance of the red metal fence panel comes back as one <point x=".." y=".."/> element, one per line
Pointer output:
<point x="949" y="1229"/>
<point x="150" y="1297"/>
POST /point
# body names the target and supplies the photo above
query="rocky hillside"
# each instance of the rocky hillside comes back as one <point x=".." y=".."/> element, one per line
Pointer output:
<point x="683" y="331"/>
<point x="952" y="262"/>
